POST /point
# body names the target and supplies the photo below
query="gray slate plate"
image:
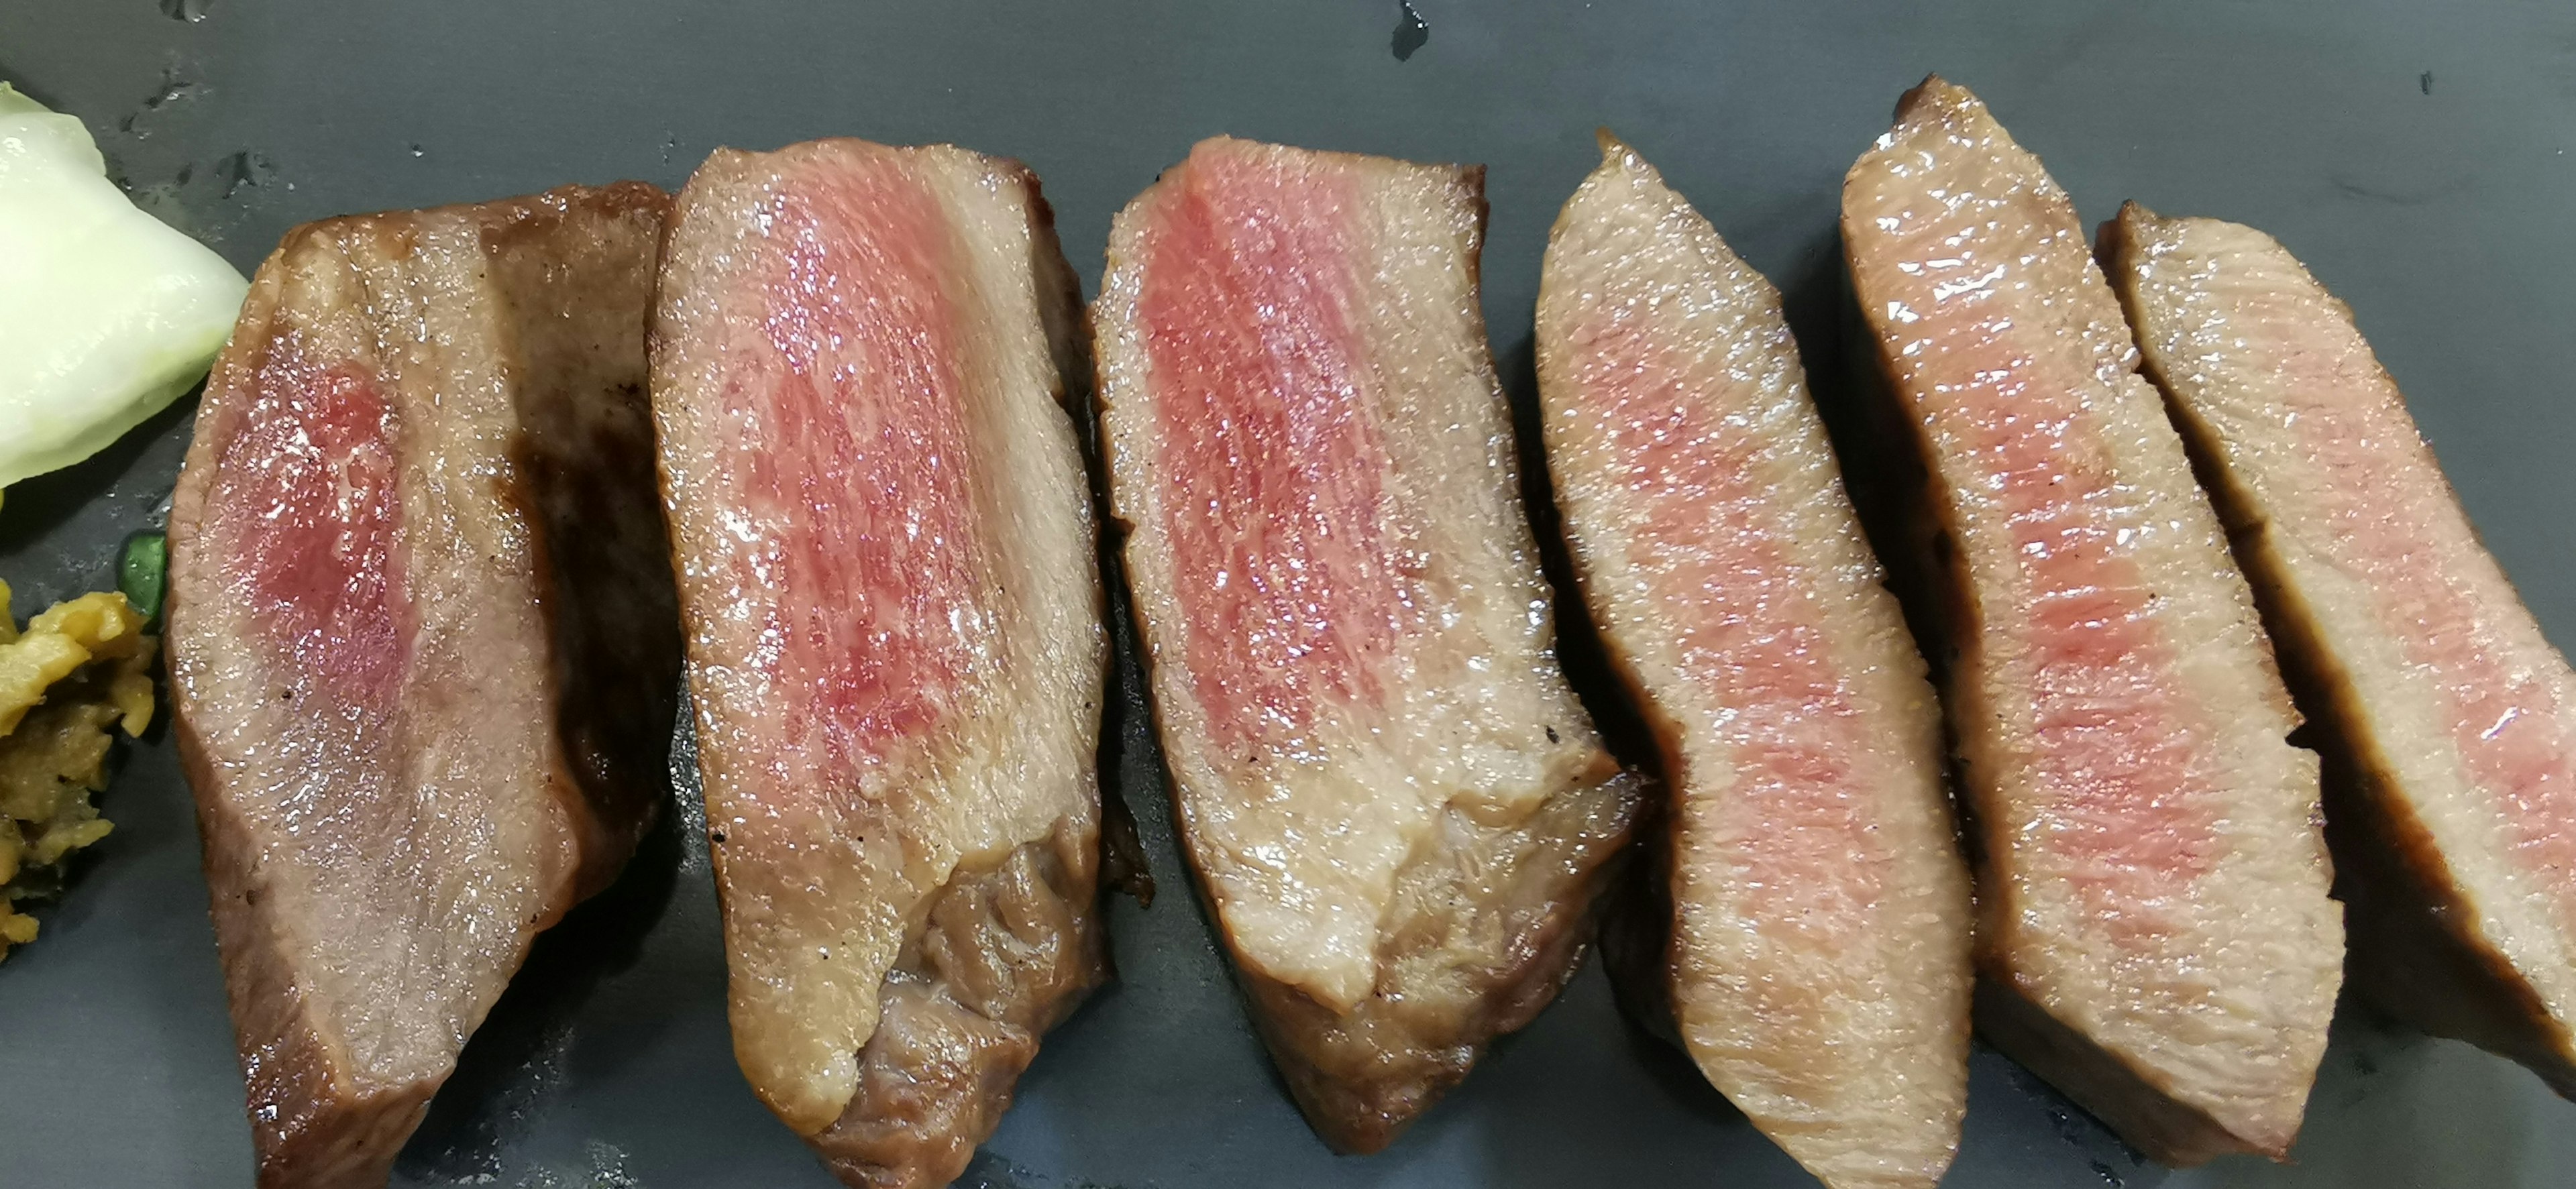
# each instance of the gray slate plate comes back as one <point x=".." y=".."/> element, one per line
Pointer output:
<point x="2414" y="155"/>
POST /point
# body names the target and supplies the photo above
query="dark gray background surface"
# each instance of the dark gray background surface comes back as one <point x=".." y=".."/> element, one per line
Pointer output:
<point x="2414" y="155"/>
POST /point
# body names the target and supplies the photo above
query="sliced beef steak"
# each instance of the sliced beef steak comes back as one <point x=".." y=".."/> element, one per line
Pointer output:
<point x="1817" y="960"/>
<point x="2449" y="723"/>
<point x="865" y="368"/>
<point x="2154" y="930"/>
<point x="422" y="641"/>
<point x="1393" y="802"/>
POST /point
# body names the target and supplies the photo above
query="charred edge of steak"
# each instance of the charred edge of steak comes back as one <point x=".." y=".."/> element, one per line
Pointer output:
<point x="2167" y="1131"/>
<point x="1060" y="310"/>
<point x="1636" y="916"/>
<point x="1068" y="330"/>
<point x="1638" y="919"/>
<point x="2411" y="944"/>
<point x="2411" y="949"/>
<point x="1904" y="514"/>
<point x="1362" y="1078"/>
<point x="1005" y="954"/>
<point x="308" y="1127"/>
<point x="586" y="464"/>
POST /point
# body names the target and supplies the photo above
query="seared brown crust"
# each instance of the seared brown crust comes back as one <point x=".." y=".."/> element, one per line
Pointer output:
<point x="583" y="486"/>
<point x="308" y="1126"/>
<point x="586" y="477"/>
<point x="1362" y="1078"/>
<point x="1638" y="919"/>
<point x="1004" y="954"/>
<point x="2099" y="1080"/>
<point x="991" y="953"/>
<point x="2411" y="952"/>
<point x="2412" y="946"/>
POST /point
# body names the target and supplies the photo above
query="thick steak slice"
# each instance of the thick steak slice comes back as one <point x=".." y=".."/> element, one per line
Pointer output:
<point x="1818" y="953"/>
<point x="422" y="642"/>
<point x="1393" y="802"/>
<point x="865" y="368"/>
<point x="2154" y="930"/>
<point x="2449" y="723"/>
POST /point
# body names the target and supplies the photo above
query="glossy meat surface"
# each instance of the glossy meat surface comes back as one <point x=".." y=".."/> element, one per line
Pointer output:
<point x="2447" y="711"/>
<point x="2153" y="887"/>
<point x="422" y="638"/>
<point x="1391" y="798"/>
<point x="861" y="366"/>
<point x="1818" y="959"/>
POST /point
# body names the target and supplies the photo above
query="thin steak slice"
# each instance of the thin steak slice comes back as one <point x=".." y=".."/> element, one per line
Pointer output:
<point x="2449" y="722"/>
<point x="1817" y="960"/>
<point x="422" y="642"/>
<point x="865" y="368"/>
<point x="2154" y="931"/>
<point x="1391" y="797"/>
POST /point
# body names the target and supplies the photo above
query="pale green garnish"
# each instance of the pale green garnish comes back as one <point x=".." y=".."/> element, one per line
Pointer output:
<point x="106" y="314"/>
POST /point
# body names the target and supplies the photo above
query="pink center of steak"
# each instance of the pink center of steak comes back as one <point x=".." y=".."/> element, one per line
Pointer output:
<point x="2115" y="739"/>
<point x="866" y="576"/>
<point x="306" y="498"/>
<point x="2114" y="754"/>
<point x="2110" y="759"/>
<point x="1750" y="639"/>
<point x="2506" y="717"/>
<point x="1271" y="462"/>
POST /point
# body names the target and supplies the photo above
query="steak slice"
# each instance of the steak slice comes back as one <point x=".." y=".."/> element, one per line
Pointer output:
<point x="1393" y="802"/>
<point x="423" y="650"/>
<point x="2449" y="723"/>
<point x="865" y="363"/>
<point x="1818" y="954"/>
<point x="2154" y="932"/>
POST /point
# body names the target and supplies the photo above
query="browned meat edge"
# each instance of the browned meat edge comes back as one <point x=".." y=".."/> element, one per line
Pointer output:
<point x="1635" y="916"/>
<point x="309" y="1129"/>
<point x="317" y="1133"/>
<point x="1007" y="952"/>
<point x="605" y="572"/>
<point x="1360" y="1092"/>
<point x="1908" y="518"/>
<point x="1638" y="919"/>
<point x="2411" y="948"/>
